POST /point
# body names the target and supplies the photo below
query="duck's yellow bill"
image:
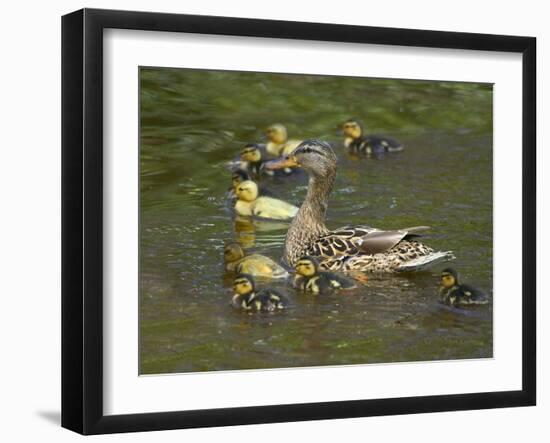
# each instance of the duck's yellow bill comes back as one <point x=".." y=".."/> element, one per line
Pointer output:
<point x="286" y="162"/>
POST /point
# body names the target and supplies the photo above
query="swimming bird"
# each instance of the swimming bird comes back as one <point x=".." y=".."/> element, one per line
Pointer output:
<point x="256" y="265"/>
<point x="253" y="158"/>
<point x="453" y="293"/>
<point x="357" y="141"/>
<point x="309" y="278"/>
<point x="250" y="203"/>
<point x="240" y="175"/>
<point x="278" y="143"/>
<point x="247" y="298"/>
<point x="350" y="248"/>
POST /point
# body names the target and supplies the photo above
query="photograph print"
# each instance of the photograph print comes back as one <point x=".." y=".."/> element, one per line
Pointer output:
<point x="291" y="220"/>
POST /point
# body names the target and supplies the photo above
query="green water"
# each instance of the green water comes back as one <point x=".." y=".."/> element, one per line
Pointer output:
<point x="194" y="122"/>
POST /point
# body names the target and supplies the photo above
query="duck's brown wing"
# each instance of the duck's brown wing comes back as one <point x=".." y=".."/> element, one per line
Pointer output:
<point x="377" y="241"/>
<point x="353" y="240"/>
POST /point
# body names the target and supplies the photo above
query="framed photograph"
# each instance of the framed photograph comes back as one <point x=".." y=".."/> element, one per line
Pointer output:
<point x="269" y="221"/>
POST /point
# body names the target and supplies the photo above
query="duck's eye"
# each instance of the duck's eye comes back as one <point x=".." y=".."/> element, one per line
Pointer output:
<point x="306" y="150"/>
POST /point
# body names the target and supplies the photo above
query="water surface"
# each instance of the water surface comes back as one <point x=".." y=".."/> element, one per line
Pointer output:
<point x="194" y="122"/>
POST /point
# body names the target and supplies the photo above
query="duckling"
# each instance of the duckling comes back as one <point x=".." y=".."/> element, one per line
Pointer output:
<point x="278" y="143"/>
<point x="453" y="293"/>
<point x="355" y="140"/>
<point x="253" y="161"/>
<point x="309" y="278"/>
<point x="255" y="264"/>
<point x="249" y="203"/>
<point x="247" y="299"/>
<point x="237" y="177"/>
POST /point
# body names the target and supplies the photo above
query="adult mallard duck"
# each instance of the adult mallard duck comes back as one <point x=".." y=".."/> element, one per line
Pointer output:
<point x="278" y="143"/>
<point x="250" y="203"/>
<point x="357" y="141"/>
<point x="453" y="293"/>
<point x="255" y="264"/>
<point x="248" y="299"/>
<point x="309" y="278"/>
<point x="351" y="248"/>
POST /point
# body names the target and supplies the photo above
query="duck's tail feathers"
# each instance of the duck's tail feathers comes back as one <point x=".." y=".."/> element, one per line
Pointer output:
<point x="280" y="273"/>
<point x="425" y="261"/>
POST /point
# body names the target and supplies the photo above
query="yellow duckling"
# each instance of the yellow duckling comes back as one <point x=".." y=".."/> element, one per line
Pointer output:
<point x="357" y="141"/>
<point x="237" y="177"/>
<point x="278" y="143"/>
<point x="252" y="161"/>
<point x="249" y="203"/>
<point x="248" y="299"/>
<point x="255" y="264"/>
<point x="309" y="278"/>
<point x="454" y="293"/>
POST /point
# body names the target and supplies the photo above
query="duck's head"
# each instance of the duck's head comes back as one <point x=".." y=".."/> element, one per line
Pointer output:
<point x="238" y="176"/>
<point x="277" y="133"/>
<point x="247" y="191"/>
<point x="316" y="157"/>
<point x="232" y="252"/>
<point x="243" y="284"/>
<point x="352" y="128"/>
<point x="251" y="153"/>
<point x="307" y="266"/>
<point x="449" y="278"/>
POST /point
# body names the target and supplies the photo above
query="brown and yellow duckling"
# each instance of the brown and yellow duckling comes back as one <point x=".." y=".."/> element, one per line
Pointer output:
<point x="247" y="298"/>
<point x="357" y="141"/>
<point x="309" y="278"/>
<point x="240" y="175"/>
<point x="278" y="143"/>
<point x="255" y="264"/>
<point x="453" y="293"/>
<point x="250" y="203"/>
<point x="253" y="159"/>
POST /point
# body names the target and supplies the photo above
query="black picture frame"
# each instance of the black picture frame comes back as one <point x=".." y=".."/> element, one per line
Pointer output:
<point x="82" y="220"/>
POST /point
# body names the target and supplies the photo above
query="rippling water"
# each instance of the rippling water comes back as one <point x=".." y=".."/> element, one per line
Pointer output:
<point x="194" y="122"/>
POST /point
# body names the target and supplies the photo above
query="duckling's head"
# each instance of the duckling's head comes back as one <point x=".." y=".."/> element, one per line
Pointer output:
<point x="243" y="284"/>
<point x="277" y="133"/>
<point x="307" y="266"/>
<point x="251" y="153"/>
<point x="239" y="176"/>
<point x="352" y="128"/>
<point x="316" y="157"/>
<point x="232" y="252"/>
<point x="449" y="278"/>
<point x="247" y="191"/>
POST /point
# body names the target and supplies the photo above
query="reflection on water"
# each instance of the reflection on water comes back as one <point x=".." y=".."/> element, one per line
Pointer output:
<point x="193" y="123"/>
